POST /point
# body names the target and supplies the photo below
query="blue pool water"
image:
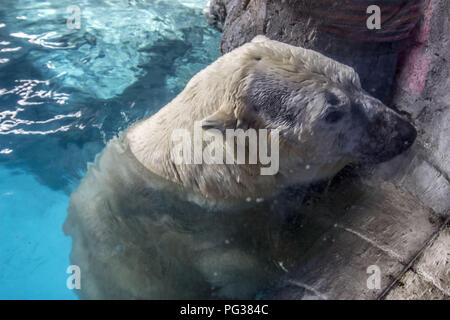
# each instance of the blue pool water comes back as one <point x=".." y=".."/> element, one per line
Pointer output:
<point x="65" y="92"/>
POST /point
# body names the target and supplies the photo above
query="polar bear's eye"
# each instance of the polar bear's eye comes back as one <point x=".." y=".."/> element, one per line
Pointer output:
<point x="331" y="98"/>
<point x="334" y="116"/>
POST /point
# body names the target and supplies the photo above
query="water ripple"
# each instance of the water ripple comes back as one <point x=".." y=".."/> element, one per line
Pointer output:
<point x="41" y="39"/>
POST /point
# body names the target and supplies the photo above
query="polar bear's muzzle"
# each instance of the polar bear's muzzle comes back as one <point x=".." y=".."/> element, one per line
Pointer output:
<point x="387" y="135"/>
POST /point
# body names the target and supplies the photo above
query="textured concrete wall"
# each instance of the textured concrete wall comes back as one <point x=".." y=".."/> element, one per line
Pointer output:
<point x="429" y="276"/>
<point x="422" y="90"/>
<point x="241" y="20"/>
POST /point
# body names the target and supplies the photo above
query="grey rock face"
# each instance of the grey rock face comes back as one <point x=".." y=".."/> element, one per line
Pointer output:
<point x="357" y="229"/>
<point x="421" y="90"/>
<point x="215" y="13"/>
<point x="285" y="21"/>
<point x="429" y="277"/>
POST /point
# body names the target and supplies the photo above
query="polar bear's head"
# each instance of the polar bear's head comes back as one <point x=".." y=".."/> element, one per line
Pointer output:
<point x="326" y="120"/>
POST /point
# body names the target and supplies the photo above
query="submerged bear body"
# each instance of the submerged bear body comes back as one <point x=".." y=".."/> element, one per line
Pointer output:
<point x="136" y="237"/>
<point x="145" y="227"/>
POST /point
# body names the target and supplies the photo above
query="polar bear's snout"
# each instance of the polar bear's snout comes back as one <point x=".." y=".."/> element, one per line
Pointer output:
<point x="386" y="136"/>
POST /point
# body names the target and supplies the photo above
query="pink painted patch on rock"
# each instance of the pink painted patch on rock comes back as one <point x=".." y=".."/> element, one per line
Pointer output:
<point x="413" y="76"/>
<point x="425" y="28"/>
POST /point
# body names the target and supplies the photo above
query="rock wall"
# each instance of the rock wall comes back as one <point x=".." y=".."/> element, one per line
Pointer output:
<point x="422" y="91"/>
<point x="286" y="21"/>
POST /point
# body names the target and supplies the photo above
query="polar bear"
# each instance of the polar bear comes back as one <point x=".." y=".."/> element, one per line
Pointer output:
<point x="146" y="227"/>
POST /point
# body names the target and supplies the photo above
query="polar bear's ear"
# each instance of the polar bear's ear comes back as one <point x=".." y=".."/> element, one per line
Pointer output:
<point x="260" y="38"/>
<point x="220" y="120"/>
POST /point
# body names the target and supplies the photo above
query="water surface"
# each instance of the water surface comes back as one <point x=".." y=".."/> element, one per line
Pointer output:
<point x="63" y="94"/>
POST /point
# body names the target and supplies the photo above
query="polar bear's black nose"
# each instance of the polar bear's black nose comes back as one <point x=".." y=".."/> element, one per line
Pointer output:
<point x="386" y="136"/>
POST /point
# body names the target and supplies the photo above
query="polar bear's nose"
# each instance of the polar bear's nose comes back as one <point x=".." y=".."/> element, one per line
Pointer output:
<point x="386" y="136"/>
